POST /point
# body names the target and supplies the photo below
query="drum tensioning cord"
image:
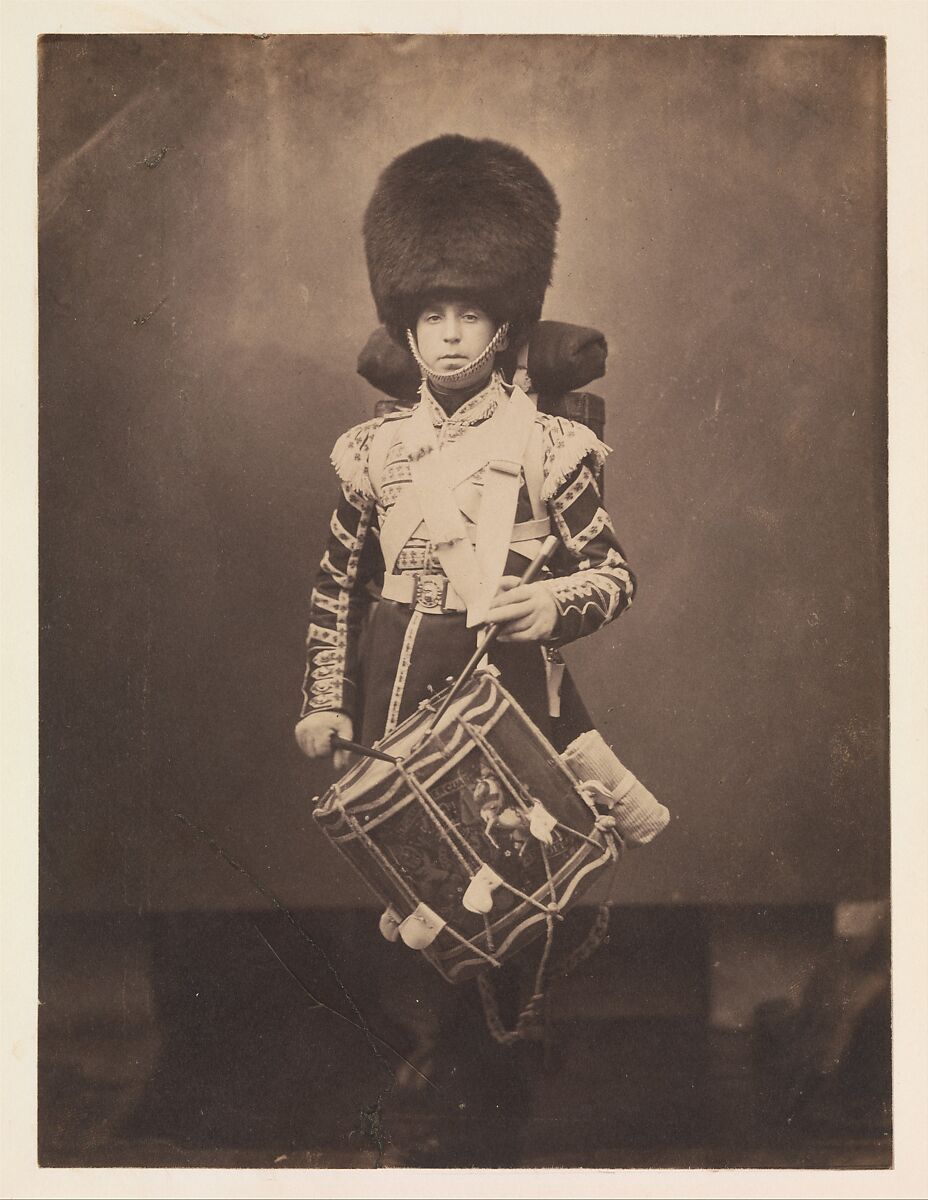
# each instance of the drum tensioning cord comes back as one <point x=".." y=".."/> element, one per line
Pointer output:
<point x="528" y="1018"/>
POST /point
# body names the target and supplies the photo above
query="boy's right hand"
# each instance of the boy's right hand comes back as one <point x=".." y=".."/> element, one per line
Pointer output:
<point x="314" y="736"/>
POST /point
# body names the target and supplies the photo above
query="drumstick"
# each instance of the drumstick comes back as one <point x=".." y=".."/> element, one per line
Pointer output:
<point x="340" y="743"/>
<point x="548" y="546"/>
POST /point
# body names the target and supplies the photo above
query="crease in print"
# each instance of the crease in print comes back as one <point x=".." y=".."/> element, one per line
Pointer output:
<point x="371" y="1116"/>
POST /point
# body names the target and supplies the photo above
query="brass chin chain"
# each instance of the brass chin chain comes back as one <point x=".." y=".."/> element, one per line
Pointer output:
<point x="469" y="371"/>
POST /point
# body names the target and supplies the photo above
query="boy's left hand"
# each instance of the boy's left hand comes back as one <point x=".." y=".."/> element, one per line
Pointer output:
<point x="525" y="612"/>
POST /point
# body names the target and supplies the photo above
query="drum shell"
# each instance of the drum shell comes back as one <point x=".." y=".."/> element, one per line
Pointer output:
<point x="417" y="833"/>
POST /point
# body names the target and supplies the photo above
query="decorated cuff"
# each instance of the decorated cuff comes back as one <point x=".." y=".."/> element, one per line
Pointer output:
<point x="329" y="693"/>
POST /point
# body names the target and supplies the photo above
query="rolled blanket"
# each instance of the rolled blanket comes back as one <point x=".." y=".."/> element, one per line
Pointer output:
<point x="563" y="357"/>
<point x="389" y="367"/>
<point x="560" y="358"/>
<point x="639" y="817"/>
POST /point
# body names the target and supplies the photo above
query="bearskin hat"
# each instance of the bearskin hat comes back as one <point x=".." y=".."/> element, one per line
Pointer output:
<point x="462" y="216"/>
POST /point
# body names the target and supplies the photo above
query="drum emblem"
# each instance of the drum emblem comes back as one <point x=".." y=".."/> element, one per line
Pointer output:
<point x="498" y="815"/>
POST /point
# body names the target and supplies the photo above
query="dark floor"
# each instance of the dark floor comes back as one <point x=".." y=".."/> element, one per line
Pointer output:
<point x="252" y="1040"/>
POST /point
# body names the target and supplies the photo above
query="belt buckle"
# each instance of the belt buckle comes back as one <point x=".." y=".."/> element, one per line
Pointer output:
<point x="430" y="592"/>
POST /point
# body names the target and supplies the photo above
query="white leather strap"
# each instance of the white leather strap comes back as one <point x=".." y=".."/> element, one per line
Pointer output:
<point x="533" y="463"/>
<point x="501" y="445"/>
<point x="442" y="517"/>
<point x="460" y="461"/>
<point x="502" y="480"/>
<point x="531" y="531"/>
<point x="554" y="676"/>
<point x="470" y="497"/>
<point x="528" y="550"/>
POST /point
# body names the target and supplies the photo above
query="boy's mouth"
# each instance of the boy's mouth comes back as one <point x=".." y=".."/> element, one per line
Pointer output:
<point x="453" y="358"/>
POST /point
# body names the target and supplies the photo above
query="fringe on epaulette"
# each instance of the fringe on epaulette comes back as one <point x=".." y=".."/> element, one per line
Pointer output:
<point x="567" y="444"/>
<point x="350" y="456"/>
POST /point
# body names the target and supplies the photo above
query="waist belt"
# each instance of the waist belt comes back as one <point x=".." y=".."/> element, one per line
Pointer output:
<point x="425" y="593"/>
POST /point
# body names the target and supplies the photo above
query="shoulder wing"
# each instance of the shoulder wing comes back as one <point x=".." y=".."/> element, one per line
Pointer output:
<point x="567" y="444"/>
<point x="351" y="454"/>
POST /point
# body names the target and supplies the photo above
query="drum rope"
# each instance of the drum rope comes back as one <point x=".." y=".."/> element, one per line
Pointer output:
<point x="527" y="1022"/>
<point x="459" y="937"/>
<point x="519" y="794"/>
<point x="411" y="896"/>
<point x="544" y="859"/>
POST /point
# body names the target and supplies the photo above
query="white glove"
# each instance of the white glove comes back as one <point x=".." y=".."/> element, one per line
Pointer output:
<point x="314" y="736"/>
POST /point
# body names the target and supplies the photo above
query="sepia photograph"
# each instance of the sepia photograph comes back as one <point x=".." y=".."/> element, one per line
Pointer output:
<point x="463" y="500"/>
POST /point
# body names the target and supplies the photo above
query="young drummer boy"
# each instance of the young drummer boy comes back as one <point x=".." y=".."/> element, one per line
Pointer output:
<point x="443" y="506"/>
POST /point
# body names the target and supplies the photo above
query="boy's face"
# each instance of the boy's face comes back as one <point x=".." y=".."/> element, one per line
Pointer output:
<point x="452" y="333"/>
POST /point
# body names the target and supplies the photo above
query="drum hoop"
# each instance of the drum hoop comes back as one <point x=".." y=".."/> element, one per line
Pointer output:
<point x="445" y="766"/>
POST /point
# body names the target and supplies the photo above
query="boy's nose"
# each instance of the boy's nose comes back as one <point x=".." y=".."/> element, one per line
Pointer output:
<point x="452" y="330"/>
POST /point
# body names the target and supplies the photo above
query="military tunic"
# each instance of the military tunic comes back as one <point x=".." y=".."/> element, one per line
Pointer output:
<point x="378" y="670"/>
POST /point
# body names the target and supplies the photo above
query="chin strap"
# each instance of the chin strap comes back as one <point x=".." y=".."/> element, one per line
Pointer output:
<point x="463" y="375"/>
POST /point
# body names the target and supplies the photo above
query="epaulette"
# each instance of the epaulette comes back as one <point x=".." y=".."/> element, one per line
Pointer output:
<point x="567" y="444"/>
<point x="350" y="457"/>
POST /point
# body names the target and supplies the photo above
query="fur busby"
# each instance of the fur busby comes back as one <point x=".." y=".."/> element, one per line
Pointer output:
<point x="457" y="215"/>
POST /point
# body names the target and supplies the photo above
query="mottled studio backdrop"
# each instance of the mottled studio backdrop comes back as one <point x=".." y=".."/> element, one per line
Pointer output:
<point x="203" y="301"/>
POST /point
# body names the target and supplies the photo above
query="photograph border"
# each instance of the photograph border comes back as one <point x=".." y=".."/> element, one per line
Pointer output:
<point x="905" y="27"/>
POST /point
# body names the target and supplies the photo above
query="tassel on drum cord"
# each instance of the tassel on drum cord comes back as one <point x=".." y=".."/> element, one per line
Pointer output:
<point x="528" y="1017"/>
